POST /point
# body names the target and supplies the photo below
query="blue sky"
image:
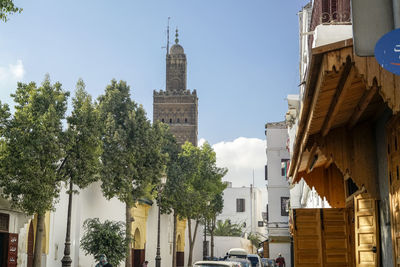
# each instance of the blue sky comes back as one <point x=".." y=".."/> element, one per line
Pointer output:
<point x="242" y="54"/>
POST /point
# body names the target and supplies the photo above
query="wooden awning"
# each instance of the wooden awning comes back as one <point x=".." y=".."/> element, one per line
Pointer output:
<point x="342" y="92"/>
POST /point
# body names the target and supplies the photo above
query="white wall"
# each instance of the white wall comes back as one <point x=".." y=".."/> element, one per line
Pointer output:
<point x="224" y="243"/>
<point x="253" y="208"/>
<point x="278" y="185"/>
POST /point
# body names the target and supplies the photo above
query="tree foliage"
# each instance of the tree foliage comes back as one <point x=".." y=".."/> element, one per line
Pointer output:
<point x="30" y="146"/>
<point x="202" y="180"/>
<point x="104" y="238"/>
<point x="7" y="7"/>
<point x="226" y="228"/>
<point x="82" y="143"/>
<point x="31" y="151"/>
<point x="255" y="239"/>
<point x="131" y="157"/>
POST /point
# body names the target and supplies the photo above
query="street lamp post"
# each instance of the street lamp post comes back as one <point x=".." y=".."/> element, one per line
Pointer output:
<point x="66" y="260"/>
<point x="158" y="256"/>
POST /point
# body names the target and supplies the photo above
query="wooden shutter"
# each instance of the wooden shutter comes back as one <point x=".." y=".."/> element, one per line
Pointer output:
<point x="366" y="231"/>
<point x="335" y="238"/>
<point x="321" y="238"/>
<point x="307" y="238"/>
<point x="393" y="151"/>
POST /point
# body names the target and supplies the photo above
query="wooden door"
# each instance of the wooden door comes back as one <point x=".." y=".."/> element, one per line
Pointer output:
<point x="12" y="250"/>
<point x="30" y="245"/>
<point x="180" y="258"/>
<point x="393" y="151"/>
<point x="366" y="231"/>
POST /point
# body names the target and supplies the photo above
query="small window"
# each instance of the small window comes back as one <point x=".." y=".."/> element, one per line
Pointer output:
<point x="162" y="120"/>
<point x="170" y="120"/>
<point x="351" y="187"/>
<point x="177" y="120"/>
<point x="4" y="222"/>
<point x="284" y="206"/>
<point x="260" y="223"/>
<point x="185" y="120"/>
<point x="240" y="205"/>
<point x="266" y="172"/>
<point x="284" y="167"/>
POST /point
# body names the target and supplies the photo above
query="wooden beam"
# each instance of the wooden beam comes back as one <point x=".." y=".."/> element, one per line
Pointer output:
<point x="344" y="84"/>
<point x="305" y="125"/>
<point x="362" y="106"/>
<point x="311" y="158"/>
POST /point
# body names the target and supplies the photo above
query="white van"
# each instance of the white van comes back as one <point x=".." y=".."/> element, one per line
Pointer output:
<point x="216" y="264"/>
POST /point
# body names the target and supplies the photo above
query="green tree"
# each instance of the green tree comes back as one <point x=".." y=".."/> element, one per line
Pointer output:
<point x="172" y="193"/>
<point x="82" y="146"/>
<point x="215" y="208"/>
<point x="226" y="228"/>
<point x="31" y="151"/>
<point x="255" y="239"/>
<point x="7" y="7"/>
<point x="107" y="238"/>
<point x="132" y="157"/>
<point x="202" y="179"/>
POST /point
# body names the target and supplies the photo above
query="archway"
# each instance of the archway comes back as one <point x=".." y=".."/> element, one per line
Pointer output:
<point x="138" y="253"/>
<point x="180" y="254"/>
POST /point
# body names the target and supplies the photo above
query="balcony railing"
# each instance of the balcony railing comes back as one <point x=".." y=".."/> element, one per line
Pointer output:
<point x="329" y="12"/>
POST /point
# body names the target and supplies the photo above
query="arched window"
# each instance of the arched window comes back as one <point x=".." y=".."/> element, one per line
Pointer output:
<point x="177" y="120"/>
<point x="170" y="120"/>
<point x="162" y="120"/>
<point x="185" y="120"/>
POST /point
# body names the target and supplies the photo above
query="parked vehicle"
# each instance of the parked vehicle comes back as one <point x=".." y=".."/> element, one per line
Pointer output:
<point x="268" y="262"/>
<point x="237" y="252"/>
<point x="216" y="264"/>
<point x="255" y="260"/>
<point x="243" y="262"/>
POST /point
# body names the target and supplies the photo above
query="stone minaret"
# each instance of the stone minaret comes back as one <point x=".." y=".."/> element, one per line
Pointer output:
<point x="177" y="106"/>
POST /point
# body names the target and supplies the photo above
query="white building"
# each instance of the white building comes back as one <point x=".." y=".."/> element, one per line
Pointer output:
<point x="278" y="190"/>
<point x="243" y="206"/>
<point x="90" y="203"/>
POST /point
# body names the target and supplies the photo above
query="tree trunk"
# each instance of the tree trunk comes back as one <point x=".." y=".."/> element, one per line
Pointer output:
<point x="128" y="232"/>
<point x="191" y="240"/>
<point x="37" y="254"/>
<point x="212" y="228"/>
<point x="174" y="241"/>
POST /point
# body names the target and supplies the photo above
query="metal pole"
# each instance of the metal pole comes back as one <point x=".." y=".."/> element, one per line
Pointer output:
<point x="158" y="256"/>
<point x="66" y="260"/>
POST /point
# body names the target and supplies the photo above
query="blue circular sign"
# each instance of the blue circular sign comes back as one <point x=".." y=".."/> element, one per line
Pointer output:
<point x="387" y="51"/>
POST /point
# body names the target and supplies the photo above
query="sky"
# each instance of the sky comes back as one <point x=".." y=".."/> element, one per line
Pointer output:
<point x="242" y="55"/>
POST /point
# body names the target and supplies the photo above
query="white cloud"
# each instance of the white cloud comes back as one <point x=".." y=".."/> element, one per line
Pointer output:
<point x="9" y="76"/>
<point x="17" y="70"/>
<point x="13" y="72"/>
<point x="241" y="157"/>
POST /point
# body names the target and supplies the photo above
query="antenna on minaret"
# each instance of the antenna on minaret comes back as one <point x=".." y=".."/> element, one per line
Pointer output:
<point x="168" y="36"/>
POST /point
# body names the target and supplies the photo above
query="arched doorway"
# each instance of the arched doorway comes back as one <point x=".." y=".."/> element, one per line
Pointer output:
<point x="180" y="254"/>
<point x="138" y="253"/>
<point x="31" y="238"/>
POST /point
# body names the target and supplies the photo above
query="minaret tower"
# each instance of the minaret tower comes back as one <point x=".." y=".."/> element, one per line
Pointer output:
<point x="177" y="106"/>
